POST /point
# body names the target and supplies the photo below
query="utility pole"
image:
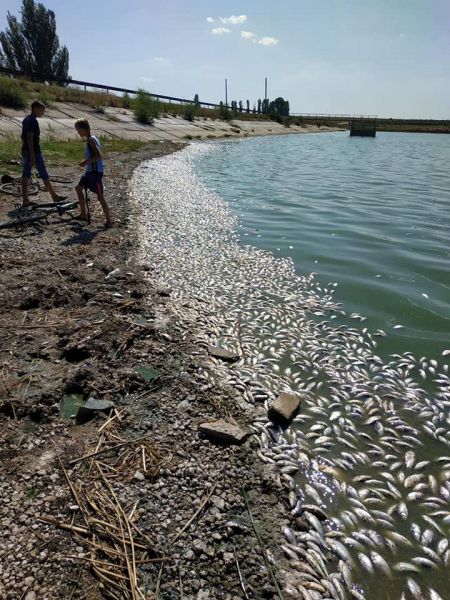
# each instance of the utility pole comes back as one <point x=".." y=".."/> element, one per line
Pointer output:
<point x="226" y="92"/>
<point x="265" y="88"/>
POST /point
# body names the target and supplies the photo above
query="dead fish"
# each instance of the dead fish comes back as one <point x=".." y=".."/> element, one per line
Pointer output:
<point x="365" y="562"/>
<point x="380" y="563"/>
<point x="406" y="567"/>
<point x="414" y="589"/>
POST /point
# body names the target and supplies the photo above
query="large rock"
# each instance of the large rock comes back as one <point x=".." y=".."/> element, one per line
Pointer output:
<point x="284" y="408"/>
<point x="223" y="354"/>
<point x="223" y="431"/>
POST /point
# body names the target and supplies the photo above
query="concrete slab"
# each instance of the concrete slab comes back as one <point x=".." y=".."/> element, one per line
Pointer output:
<point x="120" y="123"/>
<point x="10" y="126"/>
<point x="14" y="112"/>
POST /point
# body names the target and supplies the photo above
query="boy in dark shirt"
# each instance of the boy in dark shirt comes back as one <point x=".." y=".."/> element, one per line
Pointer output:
<point x="32" y="155"/>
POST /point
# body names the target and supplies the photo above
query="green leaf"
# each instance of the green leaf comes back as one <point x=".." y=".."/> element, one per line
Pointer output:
<point x="147" y="372"/>
<point x="70" y="404"/>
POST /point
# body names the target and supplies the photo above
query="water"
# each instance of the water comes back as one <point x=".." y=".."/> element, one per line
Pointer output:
<point x="370" y="214"/>
<point x="371" y="444"/>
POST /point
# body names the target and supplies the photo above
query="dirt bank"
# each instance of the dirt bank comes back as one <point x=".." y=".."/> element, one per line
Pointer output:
<point x="170" y="514"/>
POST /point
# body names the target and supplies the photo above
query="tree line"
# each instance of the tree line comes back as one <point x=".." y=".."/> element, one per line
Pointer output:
<point x="31" y="46"/>
<point x="278" y="107"/>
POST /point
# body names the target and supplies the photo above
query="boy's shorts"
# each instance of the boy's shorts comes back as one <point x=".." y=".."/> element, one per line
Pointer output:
<point x="93" y="182"/>
<point x="40" y="166"/>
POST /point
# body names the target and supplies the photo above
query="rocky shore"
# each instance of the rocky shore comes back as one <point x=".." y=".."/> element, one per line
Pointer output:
<point x="82" y="319"/>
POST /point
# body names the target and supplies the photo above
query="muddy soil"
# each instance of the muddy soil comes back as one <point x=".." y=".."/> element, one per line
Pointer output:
<point x="82" y="319"/>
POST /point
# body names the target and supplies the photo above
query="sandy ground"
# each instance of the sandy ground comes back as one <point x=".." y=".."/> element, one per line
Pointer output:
<point x="81" y="317"/>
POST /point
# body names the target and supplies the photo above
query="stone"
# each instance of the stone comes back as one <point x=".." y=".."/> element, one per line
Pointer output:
<point x="228" y="557"/>
<point x="139" y="476"/>
<point x="284" y="408"/>
<point x="218" y="502"/>
<point x="223" y="431"/>
<point x="199" y="546"/>
<point x="91" y="407"/>
<point x="223" y="354"/>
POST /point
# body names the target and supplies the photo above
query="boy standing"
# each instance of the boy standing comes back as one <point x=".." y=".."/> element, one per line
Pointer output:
<point x="32" y="155"/>
<point x="92" y="178"/>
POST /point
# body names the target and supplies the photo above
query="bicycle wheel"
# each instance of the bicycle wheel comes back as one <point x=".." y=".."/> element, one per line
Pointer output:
<point x="60" y="179"/>
<point x="22" y="221"/>
<point x="15" y="189"/>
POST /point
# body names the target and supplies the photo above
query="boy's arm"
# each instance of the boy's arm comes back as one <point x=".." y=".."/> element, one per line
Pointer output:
<point x="30" y="145"/>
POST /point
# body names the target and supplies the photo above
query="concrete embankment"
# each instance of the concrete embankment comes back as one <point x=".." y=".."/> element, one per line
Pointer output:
<point x="120" y="123"/>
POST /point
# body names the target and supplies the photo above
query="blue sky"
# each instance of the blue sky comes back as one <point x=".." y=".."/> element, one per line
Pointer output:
<point x="384" y="57"/>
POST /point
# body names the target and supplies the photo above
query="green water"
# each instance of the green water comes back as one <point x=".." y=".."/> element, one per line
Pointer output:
<point x="372" y="215"/>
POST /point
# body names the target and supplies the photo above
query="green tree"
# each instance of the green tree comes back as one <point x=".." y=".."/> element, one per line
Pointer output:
<point x="279" y="107"/>
<point x="248" y="106"/>
<point x="32" y="45"/>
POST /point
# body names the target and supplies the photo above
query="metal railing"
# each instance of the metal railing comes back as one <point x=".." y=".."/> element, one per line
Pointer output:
<point x="307" y="116"/>
<point x="113" y="88"/>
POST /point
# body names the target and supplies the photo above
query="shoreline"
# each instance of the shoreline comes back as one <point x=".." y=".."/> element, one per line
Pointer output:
<point x="101" y="324"/>
<point x="83" y="328"/>
<point x="325" y="456"/>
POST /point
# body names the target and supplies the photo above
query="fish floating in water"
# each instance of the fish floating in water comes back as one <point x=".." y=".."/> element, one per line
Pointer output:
<point x="366" y="463"/>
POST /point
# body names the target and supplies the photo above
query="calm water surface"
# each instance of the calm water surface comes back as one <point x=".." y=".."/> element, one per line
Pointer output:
<point x="373" y="216"/>
<point x="370" y="214"/>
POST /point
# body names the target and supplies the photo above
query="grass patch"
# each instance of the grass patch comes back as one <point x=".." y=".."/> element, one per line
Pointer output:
<point x="188" y="136"/>
<point x="62" y="152"/>
<point x="32" y="491"/>
<point x="11" y="93"/>
<point x="190" y="112"/>
<point x="145" y="107"/>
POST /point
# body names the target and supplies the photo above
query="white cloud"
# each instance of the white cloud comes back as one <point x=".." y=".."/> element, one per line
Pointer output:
<point x="233" y="20"/>
<point x="402" y="35"/>
<point x="209" y="20"/>
<point x="220" y="30"/>
<point x="160" y="59"/>
<point x="268" y="41"/>
<point x="247" y="35"/>
<point x="147" y="79"/>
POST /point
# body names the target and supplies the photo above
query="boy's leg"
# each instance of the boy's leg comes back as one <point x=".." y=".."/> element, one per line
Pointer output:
<point x="25" y="182"/>
<point x="26" y="175"/>
<point x="42" y="170"/>
<point x="101" y="199"/>
<point x="51" y="191"/>
<point x="83" y="209"/>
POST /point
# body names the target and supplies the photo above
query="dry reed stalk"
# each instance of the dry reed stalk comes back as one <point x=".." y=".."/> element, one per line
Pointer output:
<point x="91" y="454"/>
<point x="197" y="512"/>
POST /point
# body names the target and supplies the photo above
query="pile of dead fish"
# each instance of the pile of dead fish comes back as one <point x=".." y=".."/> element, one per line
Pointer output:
<point x="367" y="460"/>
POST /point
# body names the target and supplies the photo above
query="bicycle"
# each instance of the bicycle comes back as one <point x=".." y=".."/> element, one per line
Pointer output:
<point x="12" y="185"/>
<point x="37" y="213"/>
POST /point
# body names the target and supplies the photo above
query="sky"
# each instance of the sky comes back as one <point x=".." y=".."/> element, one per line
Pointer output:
<point x="389" y="58"/>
